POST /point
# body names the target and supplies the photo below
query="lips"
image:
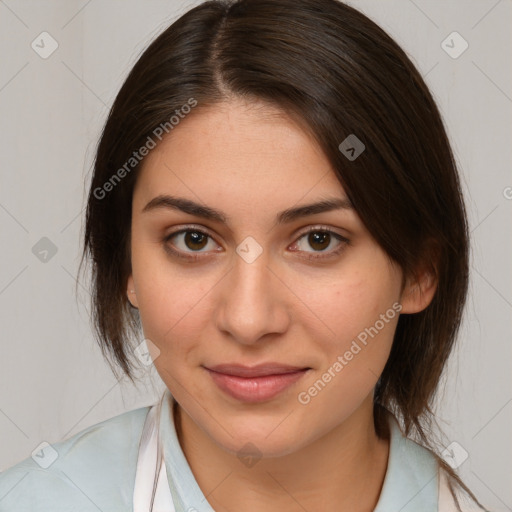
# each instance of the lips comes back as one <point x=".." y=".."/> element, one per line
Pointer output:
<point x="260" y="370"/>
<point x="256" y="383"/>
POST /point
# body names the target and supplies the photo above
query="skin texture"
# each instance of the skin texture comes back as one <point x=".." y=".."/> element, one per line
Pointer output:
<point x="251" y="161"/>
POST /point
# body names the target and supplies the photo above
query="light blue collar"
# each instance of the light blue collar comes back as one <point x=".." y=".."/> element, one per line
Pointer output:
<point x="410" y="484"/>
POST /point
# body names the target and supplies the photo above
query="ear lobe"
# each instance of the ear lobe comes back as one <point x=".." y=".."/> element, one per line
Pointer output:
<point x="419" y="289"/>
<point x="130" y="292"/>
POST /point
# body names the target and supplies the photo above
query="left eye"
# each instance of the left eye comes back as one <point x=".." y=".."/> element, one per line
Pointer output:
<point x="319" y="240"/>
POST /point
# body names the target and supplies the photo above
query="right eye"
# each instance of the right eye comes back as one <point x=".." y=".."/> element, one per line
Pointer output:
<point x="188" y="243"/>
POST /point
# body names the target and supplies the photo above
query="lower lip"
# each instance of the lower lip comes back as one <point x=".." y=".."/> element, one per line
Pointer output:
<point x="255" y="389"/>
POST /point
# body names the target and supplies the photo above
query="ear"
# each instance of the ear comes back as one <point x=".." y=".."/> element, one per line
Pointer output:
<point x="420" y="288"/>
<point x="130" y="292"/>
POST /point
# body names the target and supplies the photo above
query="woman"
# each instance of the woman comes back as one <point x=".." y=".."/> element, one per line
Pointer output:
<point x="275" y="205"/>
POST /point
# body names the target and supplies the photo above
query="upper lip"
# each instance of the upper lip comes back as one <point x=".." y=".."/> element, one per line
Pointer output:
<point x="257" y="370"/>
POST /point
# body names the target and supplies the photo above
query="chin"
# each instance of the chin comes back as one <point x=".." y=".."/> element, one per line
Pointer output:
<point x="261" y="437"/>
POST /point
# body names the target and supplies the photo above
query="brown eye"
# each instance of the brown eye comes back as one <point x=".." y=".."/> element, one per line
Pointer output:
<point x="320" y="243"/>
<point x="319" y="240"/>
<point x="189" y="243"/>
<point x="195" y="240"/>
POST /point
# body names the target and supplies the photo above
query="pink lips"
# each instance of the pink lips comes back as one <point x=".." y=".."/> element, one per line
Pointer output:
<point x="257" y="383"/>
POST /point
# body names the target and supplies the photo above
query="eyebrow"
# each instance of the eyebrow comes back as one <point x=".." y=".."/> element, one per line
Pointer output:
<point x="206" y="212"/>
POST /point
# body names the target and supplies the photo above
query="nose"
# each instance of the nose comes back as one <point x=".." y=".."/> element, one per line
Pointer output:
<point x="252" y="302"/>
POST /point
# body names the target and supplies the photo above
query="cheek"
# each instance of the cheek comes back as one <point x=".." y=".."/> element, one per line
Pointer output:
<point x="173" y="316"/>
<point x="358" y="321"/>
<point x="364" y="321"/>
<point x="171" y="303"/>
<point x="347" y="304"/>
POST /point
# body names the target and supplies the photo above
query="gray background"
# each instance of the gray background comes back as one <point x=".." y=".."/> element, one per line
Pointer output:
<point x="53" y="379"/>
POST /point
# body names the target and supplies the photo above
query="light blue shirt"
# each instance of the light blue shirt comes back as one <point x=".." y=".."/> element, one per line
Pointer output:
<point x="95" y="471"/>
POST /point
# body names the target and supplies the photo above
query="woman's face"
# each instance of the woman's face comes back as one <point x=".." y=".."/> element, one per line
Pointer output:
<point x="251" y="286"/>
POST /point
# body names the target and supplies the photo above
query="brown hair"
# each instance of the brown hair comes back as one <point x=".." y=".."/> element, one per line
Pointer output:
<point x="337" y="73"/>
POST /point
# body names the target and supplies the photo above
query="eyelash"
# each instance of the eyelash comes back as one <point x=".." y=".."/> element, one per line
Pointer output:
<point x="320" y="255"/>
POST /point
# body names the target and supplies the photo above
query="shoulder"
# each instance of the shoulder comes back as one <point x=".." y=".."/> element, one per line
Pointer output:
<point x="424" y="484"/>
<point x="94" y="469"/>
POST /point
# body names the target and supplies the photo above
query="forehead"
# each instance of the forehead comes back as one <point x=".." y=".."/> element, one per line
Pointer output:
<point x="238" y="153"/>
